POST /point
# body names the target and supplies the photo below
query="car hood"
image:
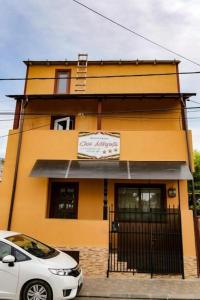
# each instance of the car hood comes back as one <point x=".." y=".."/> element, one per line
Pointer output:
<point x="61" y="261"/>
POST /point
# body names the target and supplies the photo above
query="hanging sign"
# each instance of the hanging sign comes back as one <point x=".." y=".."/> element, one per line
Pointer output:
<point x="99" y="145"/>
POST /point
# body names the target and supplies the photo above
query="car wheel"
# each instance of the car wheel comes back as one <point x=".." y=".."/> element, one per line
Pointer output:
<point x="37" y="290"/>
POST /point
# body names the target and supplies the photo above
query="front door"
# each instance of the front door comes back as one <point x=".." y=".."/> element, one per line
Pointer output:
<point x="8" y="274"/>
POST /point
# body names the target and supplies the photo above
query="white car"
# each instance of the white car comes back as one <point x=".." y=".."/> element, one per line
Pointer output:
<point x="31" y="270"/>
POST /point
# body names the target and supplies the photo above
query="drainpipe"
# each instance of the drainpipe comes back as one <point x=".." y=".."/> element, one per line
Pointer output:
<point x="189" y="153"/>
<point x="196" y="230"/>
<point x="19" y="120"/>
<point x="16" y="166"/>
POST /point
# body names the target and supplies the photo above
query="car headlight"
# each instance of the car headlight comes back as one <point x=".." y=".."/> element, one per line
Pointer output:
<point x="60" y="272"/>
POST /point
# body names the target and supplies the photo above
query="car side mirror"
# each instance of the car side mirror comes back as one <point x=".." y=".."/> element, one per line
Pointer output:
<point x="9" y="259"/>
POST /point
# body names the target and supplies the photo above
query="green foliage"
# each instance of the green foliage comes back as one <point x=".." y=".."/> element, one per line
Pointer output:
<point x="197" y="170"/>
<point x="196" y="175"/>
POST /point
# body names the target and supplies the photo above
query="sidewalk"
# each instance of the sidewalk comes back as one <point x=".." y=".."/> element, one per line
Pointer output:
<point x="141" y="288"/>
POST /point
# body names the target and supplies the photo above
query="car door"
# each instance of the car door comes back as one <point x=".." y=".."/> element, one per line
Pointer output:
<point x="9" y="275"/>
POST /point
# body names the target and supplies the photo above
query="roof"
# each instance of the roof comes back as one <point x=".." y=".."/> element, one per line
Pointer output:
<point x="100" y="62"/>
<point x="119" y="96"/>
<point x="4" y="234"/>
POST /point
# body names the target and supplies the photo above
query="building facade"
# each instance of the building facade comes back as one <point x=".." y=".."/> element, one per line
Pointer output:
<point x="98" y="162"/>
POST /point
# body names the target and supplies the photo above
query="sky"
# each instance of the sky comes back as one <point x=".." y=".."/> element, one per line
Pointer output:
<point x="58" y="30"/>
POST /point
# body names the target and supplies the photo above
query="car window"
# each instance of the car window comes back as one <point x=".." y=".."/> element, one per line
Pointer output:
<point x="5" y="250"/>
<point x="33" y="246"/>
<point x="19" y="256"/>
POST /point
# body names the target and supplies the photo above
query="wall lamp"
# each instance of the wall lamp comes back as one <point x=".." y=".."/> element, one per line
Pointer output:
<point x="171" y="192"/>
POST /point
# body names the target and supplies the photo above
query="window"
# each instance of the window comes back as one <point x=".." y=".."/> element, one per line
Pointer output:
<point x="63" y="200"/>
<point x="32" y="246"/>
<point x="135" y="202"/>
<point x="5" y="250"/>
<point x="62" y="82"/>
<point x="19" y="256"/>
<point x="63" y="123"/>
<point x="139" y="198"/>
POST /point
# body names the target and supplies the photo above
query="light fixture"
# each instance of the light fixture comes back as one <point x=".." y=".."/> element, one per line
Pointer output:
<point x="171" y="192"/>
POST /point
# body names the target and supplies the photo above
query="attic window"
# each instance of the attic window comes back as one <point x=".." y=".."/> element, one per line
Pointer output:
<point x="62" y="82"/>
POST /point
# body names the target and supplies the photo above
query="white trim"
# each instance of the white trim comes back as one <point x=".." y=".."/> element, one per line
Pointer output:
<point x="56" y="123"/>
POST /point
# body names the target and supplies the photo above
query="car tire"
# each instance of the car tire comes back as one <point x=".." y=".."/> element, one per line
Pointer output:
<point x="37" y="288"/>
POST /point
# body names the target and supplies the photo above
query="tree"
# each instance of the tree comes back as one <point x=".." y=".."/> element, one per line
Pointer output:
<point x="197" y="171"/>
<point x="196" y="175"/>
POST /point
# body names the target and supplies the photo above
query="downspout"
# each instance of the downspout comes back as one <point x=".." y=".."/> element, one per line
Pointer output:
<point x="189" y="154"/>
<point x="196" y="231"/>
<point x="21" y="123"/>
<point x="16" y="167"/>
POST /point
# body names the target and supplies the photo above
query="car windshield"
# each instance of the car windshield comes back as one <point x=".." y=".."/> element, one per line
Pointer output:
<point x="33" y="246"/>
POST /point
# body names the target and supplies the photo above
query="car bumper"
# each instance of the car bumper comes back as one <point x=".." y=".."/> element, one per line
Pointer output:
<point x="65" y="287"/>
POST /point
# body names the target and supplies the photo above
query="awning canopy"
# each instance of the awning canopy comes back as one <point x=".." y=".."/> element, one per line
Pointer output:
<point x="105" y="169"/>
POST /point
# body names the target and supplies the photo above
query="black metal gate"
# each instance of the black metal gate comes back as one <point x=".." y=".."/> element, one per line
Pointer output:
<point x="145" y="242"/>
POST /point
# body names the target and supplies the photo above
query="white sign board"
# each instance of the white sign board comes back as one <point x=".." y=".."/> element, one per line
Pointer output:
<point x="99" y="145"/>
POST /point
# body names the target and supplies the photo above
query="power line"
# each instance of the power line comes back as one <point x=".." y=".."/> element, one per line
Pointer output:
<point x="196" y="102"/>
<point x="111" y="116"/>
<point x="135" y="33"/>
<point x="89" y="112"/>
<point x="103" y="114"/>
<point x="108" y="116"/>
<point x="134" y="110"/>
<point x="100" y="76"/>
<point x="33" y="128"/>
<point x="40" y="115"/>
<point x="33" y="118"/>
<point x="152" y="118"/>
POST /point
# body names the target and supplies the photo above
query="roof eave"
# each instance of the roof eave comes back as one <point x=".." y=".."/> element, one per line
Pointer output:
<point x="105" y="96"/>
<point x="100" y="62"/>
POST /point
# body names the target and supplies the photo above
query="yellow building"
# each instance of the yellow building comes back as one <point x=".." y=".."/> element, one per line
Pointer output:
<point x="98" y="162"/>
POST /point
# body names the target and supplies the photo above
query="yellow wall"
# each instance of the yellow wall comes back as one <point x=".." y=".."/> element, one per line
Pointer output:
<point x="157" y="136"/>
<point x="7" y="179"/>
<point x="135" y="145"/>
<point x="112" y="85"/>
<point x="188" y="233"/>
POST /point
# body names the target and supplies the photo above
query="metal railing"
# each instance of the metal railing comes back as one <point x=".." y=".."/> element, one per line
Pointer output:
<point x="145" y="241"/>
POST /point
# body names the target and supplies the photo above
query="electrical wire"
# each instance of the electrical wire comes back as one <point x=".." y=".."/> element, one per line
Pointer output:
<point x="196" y="102"/>
<point x="95" y="114"/>
<point x="151" y="118"/>
<point x="136" y="33"/>
<point x="14" y="133"/>
<point x="119" y="117"/>
<point x="9" y="120"/>
<point x="194" y="108"/>
<point x="100" y="76"/>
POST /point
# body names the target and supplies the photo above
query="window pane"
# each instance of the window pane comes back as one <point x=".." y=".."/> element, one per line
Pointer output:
<point x="64" y="200"/>
<point x="20" y="256"/>
<point x="128" y="198"/>
<point x="135" y="203"/>
<point x="145" y="194"/>
<point x="62" y="82"/>
<point x="5" y="250"/>
<point x="155" y="198"/>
